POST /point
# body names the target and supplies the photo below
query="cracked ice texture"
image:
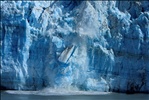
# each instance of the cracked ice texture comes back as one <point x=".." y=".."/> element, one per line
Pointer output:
<point x="89" y="45"/>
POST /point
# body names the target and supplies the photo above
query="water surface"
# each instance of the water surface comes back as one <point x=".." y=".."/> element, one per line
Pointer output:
<point x="109" y="96"/>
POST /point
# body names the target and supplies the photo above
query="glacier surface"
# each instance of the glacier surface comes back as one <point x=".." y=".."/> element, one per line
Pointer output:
<point x="83" y="45"/>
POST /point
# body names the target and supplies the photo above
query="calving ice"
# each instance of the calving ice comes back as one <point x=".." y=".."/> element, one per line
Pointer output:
<point x="84" y="45"/>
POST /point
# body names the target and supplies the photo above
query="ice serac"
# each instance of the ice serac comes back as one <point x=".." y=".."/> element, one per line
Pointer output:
<point x="85" y="45"/>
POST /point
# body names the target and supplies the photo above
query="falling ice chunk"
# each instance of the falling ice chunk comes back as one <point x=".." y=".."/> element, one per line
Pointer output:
<point x="66" y="54"/>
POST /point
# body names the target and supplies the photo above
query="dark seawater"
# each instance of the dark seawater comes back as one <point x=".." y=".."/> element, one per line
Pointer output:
<point x="111" y="96"/>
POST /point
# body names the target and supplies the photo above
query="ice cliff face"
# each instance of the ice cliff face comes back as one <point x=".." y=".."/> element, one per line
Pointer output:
<point x="89" y="45"/>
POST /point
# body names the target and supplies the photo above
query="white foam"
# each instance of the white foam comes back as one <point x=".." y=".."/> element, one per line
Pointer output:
<point x="57" y="92"/>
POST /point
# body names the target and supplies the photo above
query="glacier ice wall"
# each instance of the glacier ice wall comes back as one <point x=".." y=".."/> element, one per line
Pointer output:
<point x="89" y="45"/>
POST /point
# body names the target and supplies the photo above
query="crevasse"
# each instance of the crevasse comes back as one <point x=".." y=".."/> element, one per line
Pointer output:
<point x="88" y="45"/>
